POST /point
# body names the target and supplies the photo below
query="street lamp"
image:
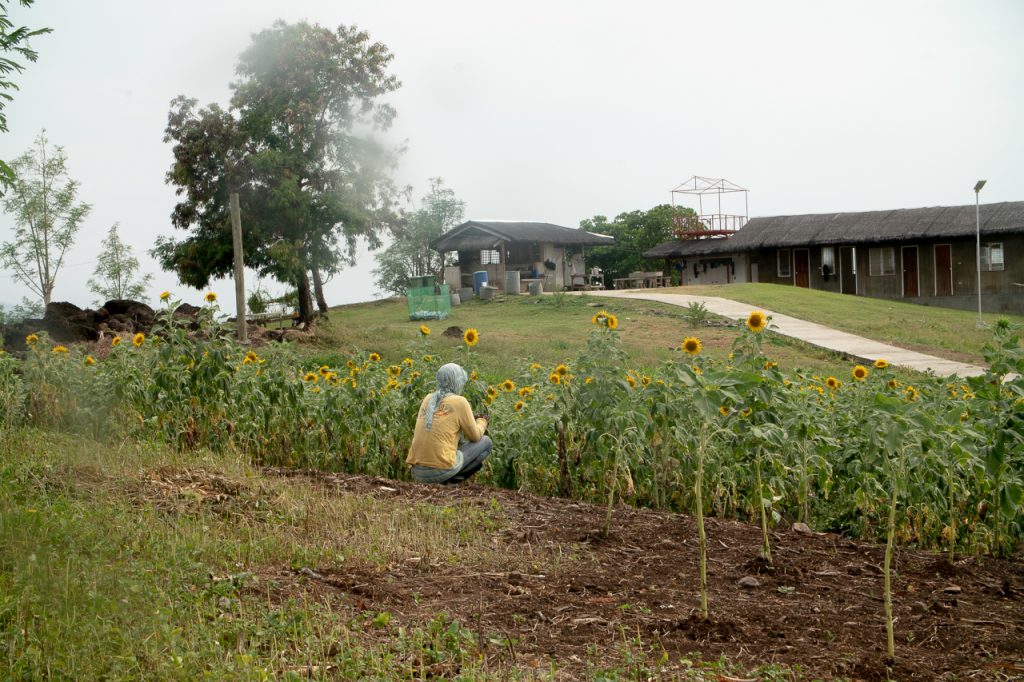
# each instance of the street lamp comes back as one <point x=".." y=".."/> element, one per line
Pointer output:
<point x="977" y="223"/>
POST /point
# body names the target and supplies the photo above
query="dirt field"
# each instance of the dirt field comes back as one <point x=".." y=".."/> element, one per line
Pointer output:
<point x="818" y="611"/>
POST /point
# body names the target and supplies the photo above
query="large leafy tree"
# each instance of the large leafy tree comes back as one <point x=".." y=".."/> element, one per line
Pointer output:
<point x="117" y="271"/>
<point x="634" y="232"/>
<point x="410" y="255"/>
<point x="297" y="145"/>
<point x="13" y="41"/>
<point x="47" y="216"/>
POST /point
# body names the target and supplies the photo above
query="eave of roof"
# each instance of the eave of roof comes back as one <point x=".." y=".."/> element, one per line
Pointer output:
<point x="469" y="235"/>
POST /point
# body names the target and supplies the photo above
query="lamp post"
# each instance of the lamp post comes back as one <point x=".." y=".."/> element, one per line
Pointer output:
<point x="977" y="222"/>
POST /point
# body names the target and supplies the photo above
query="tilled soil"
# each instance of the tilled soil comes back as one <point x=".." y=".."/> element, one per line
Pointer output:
<point x="818" y="609"/>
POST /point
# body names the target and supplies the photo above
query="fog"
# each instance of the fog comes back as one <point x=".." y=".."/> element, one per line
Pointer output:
<point x="557" y="111"/>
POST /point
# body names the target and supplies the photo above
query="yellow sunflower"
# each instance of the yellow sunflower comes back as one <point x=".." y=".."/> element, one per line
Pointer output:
<point x="492" y="392"/>
<point x="645" y="380"/>
<point x="881" y="364"/>
<point x="724" y="410"/>
<point x="471" y="336"/>
<point x="473" y="376"/>
<point x="911" y="393"/>
<point x="324" y="370"/>
<point x="508" y="385"/>
<point x="407" y="362"/>
<point x="138" y="339"/>
<point x="116" y="341"/>
<point x="745" y="412"/>
<point x="374" y="357"/>
<point x="60" y="350"/>
<point x="525" y="391"/>
<point x="692" y="345"/>
<point x="588" y="380"/>
<point x="89" y="361"/>
<point x="311" y="377"/>
<point x="612" y="322"/>
<point x="555" y="378"/>
<point x="631" y="381"/>
<point x="535" y="366"/>
<point x="832" y="383"/>
<point x="210" y="297"/>
<point x="31" y="340"/>
<point x="757" y="321"/>
<point x="518" y="407"/>
<point x="770" y="365"/>
<point x="424" y="330"/>
<point x="860" y="372"/>
<point x="561" y="370"/>
<point x="892" y="383"/>
<point x="165" y="295"/>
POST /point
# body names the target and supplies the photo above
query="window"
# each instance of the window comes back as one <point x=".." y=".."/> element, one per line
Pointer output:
<point x="882" y="261"/>
<point x="784" y="267"/>
<point x="489" y="257"/>
<point x="992" y="256"/>
<point x="828" y="258"/>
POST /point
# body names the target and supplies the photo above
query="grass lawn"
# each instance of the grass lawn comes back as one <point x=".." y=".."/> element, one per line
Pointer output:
<point x="549" y="330"/>
<point x="944" y="332"/>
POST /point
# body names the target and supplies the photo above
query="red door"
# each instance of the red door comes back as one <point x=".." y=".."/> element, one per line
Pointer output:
<point x="909" y="271"/>
<point x="802" y="268"/>
<point x="943" y="270"/>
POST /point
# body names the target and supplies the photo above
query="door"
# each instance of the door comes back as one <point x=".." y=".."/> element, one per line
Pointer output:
<point x="802" y="268"/>
<point x="910" y="288"/>
<point x="943" y="270"/>
<point x="847" y="270"/>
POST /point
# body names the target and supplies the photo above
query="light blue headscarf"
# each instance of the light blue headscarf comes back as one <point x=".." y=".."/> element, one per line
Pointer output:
<point x="450" y="380"/>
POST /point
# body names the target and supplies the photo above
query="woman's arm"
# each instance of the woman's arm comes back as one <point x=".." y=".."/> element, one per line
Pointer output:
<point x="473" y="428"/>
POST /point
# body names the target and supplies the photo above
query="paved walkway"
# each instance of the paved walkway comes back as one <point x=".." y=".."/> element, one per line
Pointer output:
<point x="814" y="334"/>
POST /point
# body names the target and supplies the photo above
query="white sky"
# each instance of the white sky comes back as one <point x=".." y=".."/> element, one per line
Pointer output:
<point x="557" y="111"/>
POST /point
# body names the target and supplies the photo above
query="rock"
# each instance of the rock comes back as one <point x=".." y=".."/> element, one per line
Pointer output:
<point x="919" y="608"/>
<point x="803" y="529"/>
<point x="310" y="573"/>
<point x="749" y="582"/>
<point x="952" y="589"/>
<point x="453" y="332"/>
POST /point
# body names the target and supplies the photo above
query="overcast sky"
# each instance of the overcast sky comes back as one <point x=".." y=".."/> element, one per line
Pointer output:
<point x="558" y="111"/>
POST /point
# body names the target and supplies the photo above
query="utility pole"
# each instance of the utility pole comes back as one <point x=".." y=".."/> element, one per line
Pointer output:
<point x="236" y="240"/>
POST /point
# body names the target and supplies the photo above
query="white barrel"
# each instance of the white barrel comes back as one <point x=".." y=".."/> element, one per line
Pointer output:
<point x="456" y="300"/>
<point x="536" y="288"/>
<point x="512" y="282"/>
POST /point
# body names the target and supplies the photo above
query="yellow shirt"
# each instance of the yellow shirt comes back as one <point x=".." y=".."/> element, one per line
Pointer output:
<point x="436" y="448"/>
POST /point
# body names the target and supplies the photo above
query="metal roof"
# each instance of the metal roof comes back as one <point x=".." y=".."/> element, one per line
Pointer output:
<point x="476" y="235"/>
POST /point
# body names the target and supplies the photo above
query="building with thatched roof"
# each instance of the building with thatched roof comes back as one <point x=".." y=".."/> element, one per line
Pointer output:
<point x="550" y="253"/>
<point x="927" y="255"/>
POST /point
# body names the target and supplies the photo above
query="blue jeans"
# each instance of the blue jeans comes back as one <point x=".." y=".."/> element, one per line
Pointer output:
<point x="469" y="458"/>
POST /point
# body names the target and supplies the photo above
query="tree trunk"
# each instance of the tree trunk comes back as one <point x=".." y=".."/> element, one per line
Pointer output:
<point x="318" y="289"/>
<point x="305" y="299"/>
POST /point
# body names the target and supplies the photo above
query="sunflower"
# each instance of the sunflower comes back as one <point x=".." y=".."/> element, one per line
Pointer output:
<point x="555" y="378"/>
<point x="881" y="364"/>
<point x="561" y="370"/>
<point x="518" y="407"/>
<point x="631" y="381"/>
<point x="692" y="345"/>
<point x="860" y="372"/>
<point x="31" y="340"/>
<point x="832" y="383"/>
<point x="525" y="391"/>
<point x="138" y="339"/>
<point x="116" y="341"/>
<point x="892" y="383"/>
<point x="471" y="337"/>
<point x="89" y="361"/>
<point x="757" y="321"/>
<point x="414" y="375"/>
<point x="770" y="365"/>
<point x="588" y="380"/>
<point x="324" y="370"/>
<point x="374" y="357"/>
<point x="473" y="376"/>
<point x="508" y="385"/>
<point x="492" y="392"/>
<point x="311" y="377"/>
<point x="252" y="357"/>
<point x="165" y="295"/>
<point x="210" y="297"/>
<point x="645" y="380"/>
<point x="612" y="322"/>
<point x="60" y="350"/>
<point x="407" y="362"/>
<point x="724" y="410"/>
<point x="599" y="318"/>
<point x="911" y="393"/>
<point x="392" y="384"/>
<point x="745" y="412"/>
<point x="535" y="366"/>
<point x="424" y="330"/>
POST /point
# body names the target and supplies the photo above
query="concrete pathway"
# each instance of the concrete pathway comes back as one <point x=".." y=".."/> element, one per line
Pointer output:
<point x="814" y="334"/>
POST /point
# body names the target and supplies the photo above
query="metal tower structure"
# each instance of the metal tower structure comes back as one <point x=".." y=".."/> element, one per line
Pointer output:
<point x="710" y="220"/>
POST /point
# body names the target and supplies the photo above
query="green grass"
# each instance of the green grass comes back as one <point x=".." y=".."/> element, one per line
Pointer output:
<point x="552" y="329"/>
<point x="941" y="331"/>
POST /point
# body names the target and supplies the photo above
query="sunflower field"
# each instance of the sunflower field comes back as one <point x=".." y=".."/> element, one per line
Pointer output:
<point x="735" y="438"/>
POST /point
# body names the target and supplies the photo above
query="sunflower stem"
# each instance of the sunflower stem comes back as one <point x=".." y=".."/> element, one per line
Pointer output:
<point x="766" y="550"/>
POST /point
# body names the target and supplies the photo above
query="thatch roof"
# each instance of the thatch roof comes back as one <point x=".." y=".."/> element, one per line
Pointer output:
<point x="477" y="235"/>
<point x="870" y="227"/>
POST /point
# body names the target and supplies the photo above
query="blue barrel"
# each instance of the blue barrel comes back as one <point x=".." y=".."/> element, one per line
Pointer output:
<point x="479" y="279"/>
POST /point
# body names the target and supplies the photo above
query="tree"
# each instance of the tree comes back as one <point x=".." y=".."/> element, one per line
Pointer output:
<point x="47" y="216"/>
<point x="635" y="232"/>
<point x="115" y="275"/>
<point x="310" y="184"/>
<point x="410" y="254"/>
<point x="12" y="40"/>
